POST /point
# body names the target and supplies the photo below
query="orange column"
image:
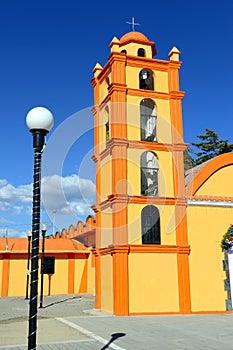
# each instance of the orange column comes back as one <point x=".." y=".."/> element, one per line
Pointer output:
<point x="184" y="283"/>
<point x="118" y="111"/>
<point x="178" y="173"/>
<point x="71" y="271"/>
<point x="176" y="97"/>
<point x="183" y="259"/>
<point x="5" y="274"/>
<point x="120" y="281"/>
<point x="119" y="187"/>
<point x="179" y="192"/>
<point x="117" y="92"/>
<point x="97" y="279"/>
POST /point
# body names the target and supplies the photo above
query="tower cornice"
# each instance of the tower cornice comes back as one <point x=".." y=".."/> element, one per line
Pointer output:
<point x="155" y="94"/>
<point x="126" y="199"/>
<point x="144" y="145"/>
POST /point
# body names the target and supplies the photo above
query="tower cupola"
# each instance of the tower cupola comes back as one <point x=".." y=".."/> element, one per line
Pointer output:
<point x="134" y="44"/>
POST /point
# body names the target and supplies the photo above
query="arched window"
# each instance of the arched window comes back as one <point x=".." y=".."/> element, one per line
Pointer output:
<point x="149" y="174"/>
<point x="107" y="133"/>
<point x="141" y="52"/>
<point x="150" y="221"/>
<point x="124" y="51"/>
<point x="107" y="81"/>
<point x="148" y="120"/>
<point x="146" y="80"/>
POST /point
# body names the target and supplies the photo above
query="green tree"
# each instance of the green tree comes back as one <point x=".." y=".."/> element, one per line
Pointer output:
<point x="188" y="160"/>
<point x="210" y="147"/>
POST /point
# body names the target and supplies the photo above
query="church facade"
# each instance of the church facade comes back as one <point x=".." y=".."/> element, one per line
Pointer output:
<point x="157" y="229"/>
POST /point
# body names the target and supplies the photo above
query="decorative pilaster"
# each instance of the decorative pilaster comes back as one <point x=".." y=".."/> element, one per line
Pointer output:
<point x="120" y="280"/>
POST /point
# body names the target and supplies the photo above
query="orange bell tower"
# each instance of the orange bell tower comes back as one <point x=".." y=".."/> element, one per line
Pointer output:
<point x="140" y="199"/>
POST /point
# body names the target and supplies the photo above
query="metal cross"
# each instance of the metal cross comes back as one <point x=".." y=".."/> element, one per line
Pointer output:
<point x="133" y="24"/>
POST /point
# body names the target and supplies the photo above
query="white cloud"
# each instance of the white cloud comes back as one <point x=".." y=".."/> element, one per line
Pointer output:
<point x="69" y="195"/>
<point x="10" y="233"/>
<point x="11" y="194"/>
<point x="3" y="182"/>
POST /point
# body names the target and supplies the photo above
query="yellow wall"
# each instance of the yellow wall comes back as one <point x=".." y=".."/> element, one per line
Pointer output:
<point x="165" y="176"/>
<point x="103" y="119"/>
<point x="163" y="121"/>
<point x="61" y="274"/>
<point x="103" y="90"/>
<point x="167" y="224"/>
<point x="106" y="283"/>
<point x="79" y="270"/>
<point x="160" y="79"/>
<point x="206" y="226"/>
<point x="132" y="49"/>
<point x="133" y="118"/>
<point x="106" y="227"/>
<point x="163" y="125"/>
<point x="106" y="178"/>
<point x="219" y="184"/>
<point x="91" y="275"/>
<point x="17" y="278"/>
<point x="153" y="285"/>
<point x="59" y="281"/>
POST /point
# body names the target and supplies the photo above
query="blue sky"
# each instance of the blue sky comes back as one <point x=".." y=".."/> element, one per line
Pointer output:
<point x="48" y="51"/>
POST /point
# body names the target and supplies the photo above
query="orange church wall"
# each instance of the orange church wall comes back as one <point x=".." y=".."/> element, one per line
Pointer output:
<point x="106" y="178"/>
<point x="165" y="176"/>
<point x="133" y="118"/>
<point x="91" y="274"/>
<point x="107" y="303"/>
<point x="71" y="268"/>
<point x="218" y="184"/>
<point x="153" y="283"/>
<point x="17" y="281"/>
<point x="206" y="228"/>
<point x="160" y="79"/>
<point x="103" y="90"/>
<point x="59" y="281"/>
<point x="163" y="128"/>
<point x="132" y="49"/>
<point x="208" y="220"/>
<point x="167" y="221"/>
<point x="106" y="227"/>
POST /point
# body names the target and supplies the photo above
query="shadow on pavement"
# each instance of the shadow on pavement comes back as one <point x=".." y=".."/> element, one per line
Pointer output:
<point x="114" y="337"/>
<point x="61" y="301"/>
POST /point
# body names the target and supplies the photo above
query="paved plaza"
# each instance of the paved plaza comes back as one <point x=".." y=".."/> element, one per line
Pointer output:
<point x="70" y="322"/>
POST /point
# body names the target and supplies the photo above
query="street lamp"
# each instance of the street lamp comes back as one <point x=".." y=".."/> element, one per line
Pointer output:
<point x="39" y="121"/>
<point x="44" y="226"/>
<point x="29" y="236"/>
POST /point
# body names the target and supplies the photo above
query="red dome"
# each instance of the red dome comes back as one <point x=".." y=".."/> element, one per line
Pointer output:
<point x="133" y="36"/>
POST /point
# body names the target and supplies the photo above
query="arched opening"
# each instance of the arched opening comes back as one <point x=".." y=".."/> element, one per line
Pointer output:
<point x="146" y="80"/>
<point x="149" y="174"/>
<point x="141" y="52"/>
<point x="148" y="120"/>
<point x="150" y="225"/>
<point x="124" y="51"/>
<point x="107" y="132"/>
<point x="107" y="81"/>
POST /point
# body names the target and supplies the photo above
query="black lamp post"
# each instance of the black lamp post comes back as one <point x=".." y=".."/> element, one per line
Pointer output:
<point x="44" y="228"/>
<point x="39" y="121"/>
<point x="29" y="236"/>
